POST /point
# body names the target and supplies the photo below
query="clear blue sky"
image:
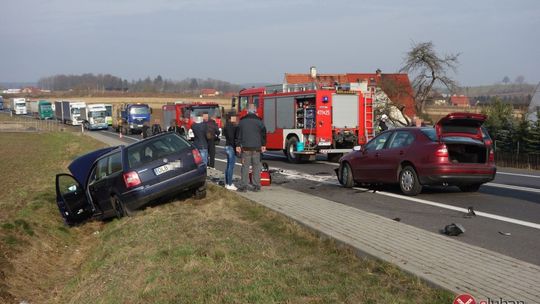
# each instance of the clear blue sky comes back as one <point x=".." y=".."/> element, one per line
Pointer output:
<point x="258" y="40"/>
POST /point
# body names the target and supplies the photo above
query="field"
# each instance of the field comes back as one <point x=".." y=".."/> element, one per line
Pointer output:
<point x="223" y="249"/>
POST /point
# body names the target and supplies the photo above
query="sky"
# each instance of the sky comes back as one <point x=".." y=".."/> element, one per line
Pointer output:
<point x="251" y="41"/>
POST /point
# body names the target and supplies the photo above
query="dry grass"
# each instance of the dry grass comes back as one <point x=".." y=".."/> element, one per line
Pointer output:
<point x="33" y="239"/>
<point x="223" y="249"/>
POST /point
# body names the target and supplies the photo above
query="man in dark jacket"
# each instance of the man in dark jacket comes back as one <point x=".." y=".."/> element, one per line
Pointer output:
<point x="199" y="137"/>
<point x="251" y="142"/>
<point x="212" y="135"/>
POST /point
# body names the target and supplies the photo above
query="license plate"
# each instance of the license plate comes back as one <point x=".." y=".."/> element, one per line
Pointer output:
<point x="140" y="126"/>
<point x="163" y="169"/>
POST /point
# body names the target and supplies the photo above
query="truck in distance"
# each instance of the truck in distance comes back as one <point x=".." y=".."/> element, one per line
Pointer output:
<point x="109" y="116"/>
<point x="130" y="117"/>
<point x="18" y="106"/>
<point x="40" y="109"/>
<point x="93" y="117"/>
<point x="1" y="103"/>
<point x="69" y="112"/>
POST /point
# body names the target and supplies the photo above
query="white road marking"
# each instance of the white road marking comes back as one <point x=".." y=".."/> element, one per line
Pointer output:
<point x="333" y="181"/>
<point x="459" y="209"/>
<point x="518" y="174"/>
<point x="519" y="188"/>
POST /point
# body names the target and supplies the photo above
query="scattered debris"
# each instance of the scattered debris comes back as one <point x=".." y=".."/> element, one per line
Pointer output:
<point x="397" y="219"/>
<point x="505" y="233"/>
<point x="470" y="212"/>
<point x="95" y="233"/>
<point x="453" y="229"/>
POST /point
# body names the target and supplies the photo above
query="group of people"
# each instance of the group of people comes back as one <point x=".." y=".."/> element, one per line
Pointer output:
<point x="246" y="137"/>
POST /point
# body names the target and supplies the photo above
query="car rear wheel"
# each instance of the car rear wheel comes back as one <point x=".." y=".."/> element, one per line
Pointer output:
<point x="200" y="193"/>
<point x="408" y="181"/>
<point x="346" y="175"/>
<point x="470" y="188"/>
<point x="119" y="208"/>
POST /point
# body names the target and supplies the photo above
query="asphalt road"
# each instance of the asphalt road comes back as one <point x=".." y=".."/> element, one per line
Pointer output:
<point x="508" y="209"/>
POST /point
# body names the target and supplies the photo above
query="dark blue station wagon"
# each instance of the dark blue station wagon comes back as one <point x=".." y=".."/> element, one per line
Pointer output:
<point x="115" y="181"/>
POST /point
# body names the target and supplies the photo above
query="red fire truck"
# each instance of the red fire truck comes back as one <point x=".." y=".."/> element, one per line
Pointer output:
<point x="304" y="120"/>
<point x="187" y="111"/>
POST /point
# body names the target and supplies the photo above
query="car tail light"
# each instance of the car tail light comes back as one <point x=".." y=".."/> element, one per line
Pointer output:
<point x="491" y="156"/>
<point x="131" y="179"/>
<point x="197" y="157"/>
<point x="442" y="151"/>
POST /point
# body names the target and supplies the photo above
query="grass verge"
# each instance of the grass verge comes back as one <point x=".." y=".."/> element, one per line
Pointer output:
<point x="223" y="249"/>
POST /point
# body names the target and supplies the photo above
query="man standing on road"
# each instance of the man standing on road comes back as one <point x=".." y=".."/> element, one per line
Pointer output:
<point x="230" y="149"/>
<point x="199" y="137"/>
<point x="212" y="135"/>
<point x="250" y="142"/>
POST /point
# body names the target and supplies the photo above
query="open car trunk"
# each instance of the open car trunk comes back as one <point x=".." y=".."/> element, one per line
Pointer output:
<point x="466" y="153"/>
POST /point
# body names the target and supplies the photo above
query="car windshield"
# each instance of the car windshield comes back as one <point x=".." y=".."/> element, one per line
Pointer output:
<point x="109" y="110"/>
<point x="139" y="110"/>
<point x="75" y="111"/>
<point x="432" y="135"/>
<point x="155" y="148"/>
<point x="46" y="107"/>
<point x="97" y="114"/>
<point x="199" y="111"/>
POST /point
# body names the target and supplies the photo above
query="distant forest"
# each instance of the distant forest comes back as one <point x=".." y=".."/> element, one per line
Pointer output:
<point x="107" y="82"/>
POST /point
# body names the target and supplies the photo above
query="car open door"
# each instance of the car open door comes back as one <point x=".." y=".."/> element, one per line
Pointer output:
<point x="72" y="200"/>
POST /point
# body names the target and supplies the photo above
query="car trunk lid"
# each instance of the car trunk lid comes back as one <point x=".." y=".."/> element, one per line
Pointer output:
<point x="460" y="125"/>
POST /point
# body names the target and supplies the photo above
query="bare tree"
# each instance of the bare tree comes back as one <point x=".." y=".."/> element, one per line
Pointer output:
<point x="506" y="80"/>
<point x="520" y="79"/>
<point x="428" y="69"/>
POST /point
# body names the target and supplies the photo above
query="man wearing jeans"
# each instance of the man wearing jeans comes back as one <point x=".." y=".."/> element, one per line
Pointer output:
<point x="199" y="138"/>
<point x="251" y="141"/>
<point x="230" y="148"/>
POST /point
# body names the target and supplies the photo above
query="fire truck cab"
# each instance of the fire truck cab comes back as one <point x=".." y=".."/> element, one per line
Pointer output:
<point x="185" y="114"/>
<point x="304" y="120"/>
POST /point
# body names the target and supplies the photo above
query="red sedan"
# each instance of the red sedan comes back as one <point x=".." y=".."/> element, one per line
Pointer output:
<point x="454" y="152"/>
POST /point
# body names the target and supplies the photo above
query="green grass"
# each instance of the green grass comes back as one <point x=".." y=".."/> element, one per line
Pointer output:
<point x="225" y="249"/>
<point x="222" y="249"/>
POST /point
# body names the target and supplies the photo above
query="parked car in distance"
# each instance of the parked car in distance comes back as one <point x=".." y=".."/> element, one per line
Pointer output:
<point x="115" y="181"/>
<point x="455" y="152"/>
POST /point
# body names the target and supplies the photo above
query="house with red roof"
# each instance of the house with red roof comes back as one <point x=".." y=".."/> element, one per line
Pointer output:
<point x="395" y="85"/>
<point x="460" y="101"/>
<point x="209" y="92"/>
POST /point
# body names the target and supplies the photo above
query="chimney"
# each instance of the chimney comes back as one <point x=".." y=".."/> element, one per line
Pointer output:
<point x="313" y="72"/>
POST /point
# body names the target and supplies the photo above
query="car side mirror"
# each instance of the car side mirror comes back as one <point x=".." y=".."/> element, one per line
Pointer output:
<point x="150" y="110"/>
<point x="357" y="148"/>
<point x="233" y="102"/>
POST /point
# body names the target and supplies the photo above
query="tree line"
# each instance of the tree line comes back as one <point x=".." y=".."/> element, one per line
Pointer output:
<point x="516" y="136"/>
<point x="106" y="82"/>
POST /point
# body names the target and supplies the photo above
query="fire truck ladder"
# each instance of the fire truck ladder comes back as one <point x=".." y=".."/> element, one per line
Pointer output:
<point x="368" y="119"/>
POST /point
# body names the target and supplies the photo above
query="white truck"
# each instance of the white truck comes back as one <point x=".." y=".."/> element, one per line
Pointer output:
<point x="94" y="116"/>
<point x="69" y="112"/>
<point x="18" y="106"/>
